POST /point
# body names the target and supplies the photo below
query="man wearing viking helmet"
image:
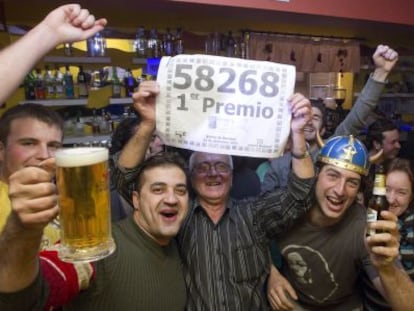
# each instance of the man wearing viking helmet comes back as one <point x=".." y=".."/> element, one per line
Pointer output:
<point x="330" y="238"/>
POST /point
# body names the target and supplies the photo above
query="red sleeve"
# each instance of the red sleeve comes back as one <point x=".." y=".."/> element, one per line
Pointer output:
<point x="65" y="280"/>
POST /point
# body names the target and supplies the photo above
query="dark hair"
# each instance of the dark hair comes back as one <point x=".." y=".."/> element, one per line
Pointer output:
<point x="160" y="159"/>
<point x="29" y="110"/>
<point x="376" y="130"/>
<point x="123" y="133"/>
<point x="318" y="103"/>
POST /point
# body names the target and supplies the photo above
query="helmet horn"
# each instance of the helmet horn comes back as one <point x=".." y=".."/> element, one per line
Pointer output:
<point x="375" y="157"/>
<point x="319" y="139"/>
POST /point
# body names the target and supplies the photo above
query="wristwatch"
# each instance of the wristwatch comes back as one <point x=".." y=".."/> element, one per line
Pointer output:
<point x="303" y="155"/>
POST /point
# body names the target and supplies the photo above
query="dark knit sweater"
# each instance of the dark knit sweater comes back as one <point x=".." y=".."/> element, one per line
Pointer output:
<point x="140" y="275"/>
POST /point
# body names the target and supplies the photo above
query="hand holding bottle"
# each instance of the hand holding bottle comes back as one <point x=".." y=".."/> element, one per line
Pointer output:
<point x="383" y="245"/>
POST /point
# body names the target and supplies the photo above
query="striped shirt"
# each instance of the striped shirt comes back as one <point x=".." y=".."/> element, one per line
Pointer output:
<point x="226" y="265"/>
<point x="406" y="228"/>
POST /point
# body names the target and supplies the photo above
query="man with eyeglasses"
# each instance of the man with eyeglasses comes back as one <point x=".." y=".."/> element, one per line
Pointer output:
<point x="224" y="243"/>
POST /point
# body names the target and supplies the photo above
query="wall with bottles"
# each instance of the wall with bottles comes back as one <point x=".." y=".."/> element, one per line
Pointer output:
<point x="91" y="82"/>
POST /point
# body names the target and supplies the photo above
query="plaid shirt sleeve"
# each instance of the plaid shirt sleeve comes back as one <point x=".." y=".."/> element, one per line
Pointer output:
<point x="122" y="178"/>
<point x="276" y="211"/>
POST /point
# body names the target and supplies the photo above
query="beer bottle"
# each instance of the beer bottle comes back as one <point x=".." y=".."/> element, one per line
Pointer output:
<point x="378" y="202"/>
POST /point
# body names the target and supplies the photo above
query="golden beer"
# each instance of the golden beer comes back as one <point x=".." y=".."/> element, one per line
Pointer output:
<point x="84" y="203"/>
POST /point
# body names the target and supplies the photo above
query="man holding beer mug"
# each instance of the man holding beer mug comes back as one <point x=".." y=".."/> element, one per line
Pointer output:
<point x="30" y="134"/>
<point x="144" y="272"/>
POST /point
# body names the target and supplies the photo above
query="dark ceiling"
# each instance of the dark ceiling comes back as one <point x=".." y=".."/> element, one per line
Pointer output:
<point x="126" y="15"/>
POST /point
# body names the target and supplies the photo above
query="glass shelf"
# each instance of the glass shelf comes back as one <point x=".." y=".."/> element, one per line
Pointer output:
<point x="77" y="60"/>
<point x="58" y="102"/>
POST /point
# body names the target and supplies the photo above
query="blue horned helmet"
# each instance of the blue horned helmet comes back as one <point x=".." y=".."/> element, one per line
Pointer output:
<point x="346" y="152"/>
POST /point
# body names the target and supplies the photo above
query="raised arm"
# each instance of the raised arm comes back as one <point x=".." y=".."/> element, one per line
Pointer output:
<point x="302" y="164"/>
<point x="135" y="149"/>
<point x="384" y="59"/>
<point x="67" y="23"/>
<point x="384" y="250"/>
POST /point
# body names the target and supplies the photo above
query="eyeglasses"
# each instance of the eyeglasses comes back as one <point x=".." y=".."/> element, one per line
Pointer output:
<point x="219" y="167"/>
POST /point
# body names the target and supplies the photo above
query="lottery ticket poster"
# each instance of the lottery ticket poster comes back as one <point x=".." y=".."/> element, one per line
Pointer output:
<point x="224" y="105"/>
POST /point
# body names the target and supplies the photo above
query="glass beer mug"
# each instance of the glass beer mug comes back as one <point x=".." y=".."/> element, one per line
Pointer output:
<point x="84" y="204"/>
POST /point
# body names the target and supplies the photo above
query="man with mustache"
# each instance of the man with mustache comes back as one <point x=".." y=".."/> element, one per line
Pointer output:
<point x="224" y="243"/>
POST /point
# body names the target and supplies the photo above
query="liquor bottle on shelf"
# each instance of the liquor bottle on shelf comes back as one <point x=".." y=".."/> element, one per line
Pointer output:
<point x="153" y="45"/>
<point x="168" y="43"/>
<point x="110" y="123"/>
<point x="59" y="84"/>
<point x="208" y="44"/>
<point x="243" y="46"/>
<point x="49" y="83"/>
<point x="126" y="114"/>
<point x="67" y="49"/>
<point x="378" y="202"/>
<point x="95" y="123"/>
<point x="79" y="123"/>
<point x="68" y="82"/>
<point x="178" y="43"/>
<point x="96" y="45"/>
<point x="40" y="89"/>
<point x="230" y="45"/>
<point x="140" y="43"/>
<point x="129" y="83"/>
<point x="29" y="86"/>
<point x="103" y="123"/>
<point x="116" y="83"/>
<point x="216" y="43"/>
<point x="83" y="89"/>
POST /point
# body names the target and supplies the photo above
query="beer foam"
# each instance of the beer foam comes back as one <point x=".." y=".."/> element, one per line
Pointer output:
<point x="82" y="156"/>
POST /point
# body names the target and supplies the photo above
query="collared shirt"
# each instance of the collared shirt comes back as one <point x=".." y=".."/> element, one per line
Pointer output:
<point x="226" y="265"/>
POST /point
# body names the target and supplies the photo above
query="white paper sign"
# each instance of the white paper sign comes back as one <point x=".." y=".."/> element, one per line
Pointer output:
<point x="224" y="105"/>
